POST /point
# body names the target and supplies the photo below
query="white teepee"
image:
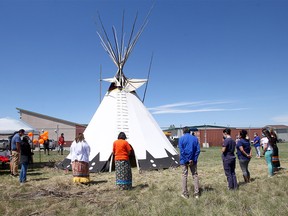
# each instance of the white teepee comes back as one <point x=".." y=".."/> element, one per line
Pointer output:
<point x="122" y="111"/>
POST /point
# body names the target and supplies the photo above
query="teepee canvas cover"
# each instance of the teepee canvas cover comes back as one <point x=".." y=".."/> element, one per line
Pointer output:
<point x="122" y="110"/>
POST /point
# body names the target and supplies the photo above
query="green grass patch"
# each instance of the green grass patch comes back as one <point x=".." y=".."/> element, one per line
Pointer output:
<point x="50" y="191"/>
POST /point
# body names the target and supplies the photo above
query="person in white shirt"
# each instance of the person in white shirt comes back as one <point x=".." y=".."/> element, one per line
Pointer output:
<point x="268" y="150"/>
<point x="80" y="151"/>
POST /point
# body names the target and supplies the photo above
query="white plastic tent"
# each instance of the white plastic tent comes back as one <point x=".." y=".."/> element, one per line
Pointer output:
<point x="122" y="111"/>
<point x="9" y="126"/>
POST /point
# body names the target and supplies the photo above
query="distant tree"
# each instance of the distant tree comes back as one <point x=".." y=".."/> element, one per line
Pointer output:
<point x="171" y="127"/>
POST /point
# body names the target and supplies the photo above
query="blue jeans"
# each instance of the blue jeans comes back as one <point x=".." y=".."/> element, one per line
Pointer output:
<point x="268" y="157"/>
<point x="23" y="172"/>
<point x="258" y="151"/>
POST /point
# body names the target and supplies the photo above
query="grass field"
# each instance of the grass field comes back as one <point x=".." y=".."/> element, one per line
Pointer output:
<point x="50" y="191"/>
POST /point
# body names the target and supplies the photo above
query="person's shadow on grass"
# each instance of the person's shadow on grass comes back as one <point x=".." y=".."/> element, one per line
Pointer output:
<point x="205" y="189"/>
<point x="97" y="182"/>
<point x="39" y="179"/>
<point x="251" y="180"/>
<point x="140" y="186"/>
<point x="34" y="173"/>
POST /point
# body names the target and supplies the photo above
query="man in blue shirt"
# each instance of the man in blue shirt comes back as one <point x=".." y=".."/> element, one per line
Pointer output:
<point x="15" y="149"/>
<point x="189" y="152"/>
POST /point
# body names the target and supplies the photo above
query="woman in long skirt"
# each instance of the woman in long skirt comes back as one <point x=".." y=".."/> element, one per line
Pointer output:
<point x="121" y="151"/>
<point x="80" y="151"/>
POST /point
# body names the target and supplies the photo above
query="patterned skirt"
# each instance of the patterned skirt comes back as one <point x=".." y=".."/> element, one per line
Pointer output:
<point x="80" y="170"/>
<point x="123" y="174"/>
<point x="275" y="157"/>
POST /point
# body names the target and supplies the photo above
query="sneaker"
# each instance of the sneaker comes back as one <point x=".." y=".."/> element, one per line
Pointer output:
<point x="185" y="196"/>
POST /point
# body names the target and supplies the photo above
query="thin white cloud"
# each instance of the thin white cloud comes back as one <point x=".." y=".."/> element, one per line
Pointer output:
<point x="281" y="119"/>
<point x="186" y="107"/>
<point x="189" y="104"/>
<point x="195" y="110"/>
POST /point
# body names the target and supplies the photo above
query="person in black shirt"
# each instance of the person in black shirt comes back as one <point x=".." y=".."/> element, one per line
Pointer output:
<point x="229" y="159"/>
<point x="25" y="158"/>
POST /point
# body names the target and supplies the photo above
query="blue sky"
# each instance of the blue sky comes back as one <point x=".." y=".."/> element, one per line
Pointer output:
<point x="215" y="62"/>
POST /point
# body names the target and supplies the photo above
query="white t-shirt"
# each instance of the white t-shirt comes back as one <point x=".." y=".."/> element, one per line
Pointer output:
<point x="265" y="142"/>
<point x="80" y="151"/>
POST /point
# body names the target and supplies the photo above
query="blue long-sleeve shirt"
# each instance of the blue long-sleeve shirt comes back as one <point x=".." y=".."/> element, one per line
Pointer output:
<point x="189" y="149"/>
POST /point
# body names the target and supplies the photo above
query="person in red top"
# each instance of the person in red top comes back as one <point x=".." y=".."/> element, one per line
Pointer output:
<point x="61" y="143"/>
<point x="121" y="152"/>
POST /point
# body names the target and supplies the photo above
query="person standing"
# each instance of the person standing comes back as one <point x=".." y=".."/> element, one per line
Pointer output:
<point x="80" y="152"/>
<point x="244" y="153"/>
<point x="229" y="159"/>
<point x="237" y="138"/>
<point x="189" y="152"/>
<point x="61" y="142"/>
<point x="15" y="148"/>
<point x="275" y="156"/>
<point x="25" y="158"/>
<point x="256" y="143"/>
<point x="46" y="146"/>
<point x="121" y="151"/>
<point x="268" y="150"/>
<point x="10" y="152"/>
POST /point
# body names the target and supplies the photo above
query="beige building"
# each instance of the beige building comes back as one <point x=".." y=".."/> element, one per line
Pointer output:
<point x="54" y="126"/>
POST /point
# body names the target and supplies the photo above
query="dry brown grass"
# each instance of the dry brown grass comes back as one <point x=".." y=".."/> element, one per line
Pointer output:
<point x="50" y="191"/>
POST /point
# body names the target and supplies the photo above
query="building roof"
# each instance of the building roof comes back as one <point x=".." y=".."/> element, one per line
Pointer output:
<point x="49" y="117"/>
<point x="277" y="126"/>
<point x="199" y="127"/>
<point x="211" y="126"/>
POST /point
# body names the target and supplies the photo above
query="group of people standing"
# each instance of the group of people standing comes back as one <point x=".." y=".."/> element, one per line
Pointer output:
<point x="270" y="150"/>
<point x="189" y="148"/>
<point x="244" y="154"/>
<point x="80" y="151"/>
<point x="20" y="153"/>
